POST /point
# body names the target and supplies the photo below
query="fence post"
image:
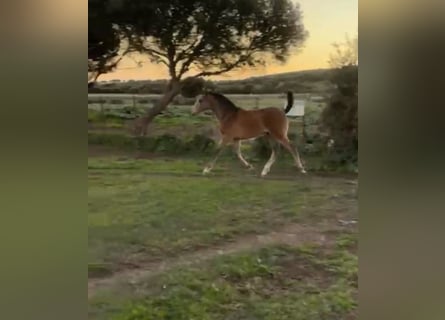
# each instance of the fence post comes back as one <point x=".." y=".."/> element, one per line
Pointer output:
<point x="308" y="99"/>
<point x="303" y="126"/>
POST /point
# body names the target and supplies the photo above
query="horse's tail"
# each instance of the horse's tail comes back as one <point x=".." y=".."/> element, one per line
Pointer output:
<point x="290" y="101"/>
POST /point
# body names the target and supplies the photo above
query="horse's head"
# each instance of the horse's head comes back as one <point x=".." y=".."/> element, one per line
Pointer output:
<point x="203" y="102"/>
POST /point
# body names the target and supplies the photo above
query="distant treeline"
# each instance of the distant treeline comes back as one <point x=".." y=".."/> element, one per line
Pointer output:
<point x="313" y="81"/>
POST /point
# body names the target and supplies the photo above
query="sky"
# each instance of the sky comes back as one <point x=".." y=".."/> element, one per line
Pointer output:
<point x="327" y="21"/>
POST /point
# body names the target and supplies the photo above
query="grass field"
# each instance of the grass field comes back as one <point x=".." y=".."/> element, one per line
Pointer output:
<point x="167" y="243"/>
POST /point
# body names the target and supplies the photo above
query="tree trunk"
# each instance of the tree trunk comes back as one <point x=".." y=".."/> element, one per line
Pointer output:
<point x="172" y="90"/>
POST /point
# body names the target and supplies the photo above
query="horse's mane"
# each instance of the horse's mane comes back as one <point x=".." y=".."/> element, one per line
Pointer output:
<point x="224" y="101"/>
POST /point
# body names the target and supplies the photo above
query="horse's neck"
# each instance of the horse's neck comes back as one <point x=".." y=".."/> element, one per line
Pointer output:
<point x="222" y="113"/>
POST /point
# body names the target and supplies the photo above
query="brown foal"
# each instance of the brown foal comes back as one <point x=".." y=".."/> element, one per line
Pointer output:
<point x="237" y="124"/>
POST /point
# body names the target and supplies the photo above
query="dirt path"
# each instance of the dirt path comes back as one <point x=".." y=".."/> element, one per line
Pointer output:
<point x="294" y="235"/>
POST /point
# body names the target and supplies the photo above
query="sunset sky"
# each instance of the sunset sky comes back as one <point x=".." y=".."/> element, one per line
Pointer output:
<point x="327" y="21"/>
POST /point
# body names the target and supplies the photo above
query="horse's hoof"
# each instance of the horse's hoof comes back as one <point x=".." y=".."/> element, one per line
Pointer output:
<point x="303" y="171"/>
<point x="206" y="171"/>
<point x="250" y="167"/>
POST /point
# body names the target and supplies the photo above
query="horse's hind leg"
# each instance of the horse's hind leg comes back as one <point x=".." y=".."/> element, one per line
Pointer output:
<point x="240" y="156"/>
<point x="271" y="160"/>
<point x="293" y="150"/>
<point x="219" y="150"/>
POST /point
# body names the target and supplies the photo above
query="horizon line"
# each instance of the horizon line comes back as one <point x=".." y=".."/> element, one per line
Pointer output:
<point x="222" y="80"/>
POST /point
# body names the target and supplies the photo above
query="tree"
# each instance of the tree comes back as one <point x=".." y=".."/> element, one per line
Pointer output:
<point x="103" y="40"/>
<point x="200" y="38"/>
<point x="109" y="28"/>
<point x="345" y="53"/>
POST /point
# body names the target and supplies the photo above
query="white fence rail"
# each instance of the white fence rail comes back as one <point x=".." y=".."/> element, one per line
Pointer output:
<point x="100" y="101"/>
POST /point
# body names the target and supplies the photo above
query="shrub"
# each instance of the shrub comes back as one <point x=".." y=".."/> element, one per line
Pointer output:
<point x="340" y="117"/>
<point x="164" y="144"/>
<point x="95" y="116"/>
<point x="191" y="87"/>
<point x="112" y="140"/>
<point x="169" y="144"/>
<point x="201" y="144"/>
<point x="116" y="101"/>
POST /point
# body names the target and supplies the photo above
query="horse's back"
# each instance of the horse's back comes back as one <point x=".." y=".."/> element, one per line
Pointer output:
<point x="251" y="123"/>
<point x="265" y="112"/>
<point x="271" y="116"/>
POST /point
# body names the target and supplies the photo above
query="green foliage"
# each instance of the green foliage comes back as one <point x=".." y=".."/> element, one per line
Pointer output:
<point x="191" y="87"/>
<point x="346" y="80"/>
<point x="214" y="37"/>
<point x="346" y="241"/>
<point x="104" y="37"/>
<point x="116" y="101"/>
<point x="112" y="140"/>
<point x="163" y="144"/>
<point x="340" y="117"/>
<point x="113" y="117"/>
<point x="95" y="116"/>
<point x="201" y="144"/>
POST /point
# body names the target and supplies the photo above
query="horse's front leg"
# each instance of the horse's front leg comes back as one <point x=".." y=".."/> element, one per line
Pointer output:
<point x="219" y="150"/>
<point x="237" y="148"/>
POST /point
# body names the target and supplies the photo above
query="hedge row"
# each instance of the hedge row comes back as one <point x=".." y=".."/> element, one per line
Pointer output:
<point x="164" y="144"/>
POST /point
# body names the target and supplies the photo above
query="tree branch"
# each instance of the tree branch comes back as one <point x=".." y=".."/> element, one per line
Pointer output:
<point x="183" y="53"/>
<point x="231" y="66"/>
<point x="217" y="72"/>
<point x="192" y="56"/>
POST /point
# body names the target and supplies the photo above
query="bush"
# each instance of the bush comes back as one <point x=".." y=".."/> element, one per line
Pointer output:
<point x="169" y="144"/>
<point x="112" y="140"/>
<point x="163" y="144"/>
<point x="95" y="116"/>
<point x="191" y="87"/>
<point x="340" y="117"/>
<point x="201" y="144"/>
<point x="116" y="101"/>
<point x="122" y="114"/>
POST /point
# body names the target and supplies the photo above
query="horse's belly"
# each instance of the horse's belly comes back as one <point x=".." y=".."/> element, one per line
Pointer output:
<point x="248" y="125"/>
<point x="250" y="133"/>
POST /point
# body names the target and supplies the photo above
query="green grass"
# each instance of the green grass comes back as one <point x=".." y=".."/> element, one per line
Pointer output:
<point x="179" y="116"/>
<point x="149" y="209"/>
<point x="273" y="283"/>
